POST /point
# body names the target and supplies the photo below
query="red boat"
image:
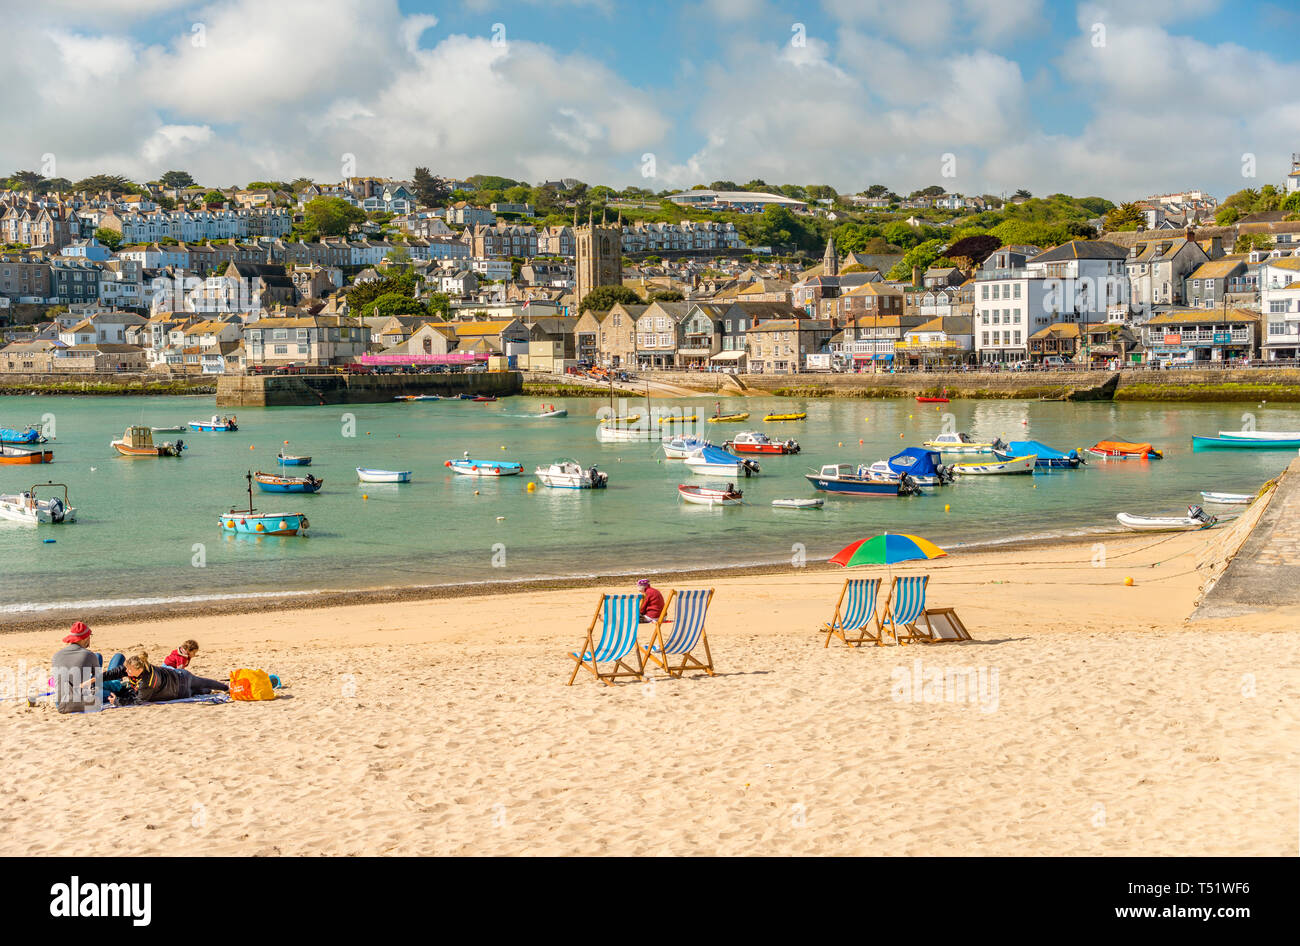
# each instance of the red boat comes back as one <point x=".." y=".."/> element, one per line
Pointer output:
<point x="484" y="399"/>
<point x="931" y="400"/>
<point x="1123" y="450"/>
<point x="753" y="441"/>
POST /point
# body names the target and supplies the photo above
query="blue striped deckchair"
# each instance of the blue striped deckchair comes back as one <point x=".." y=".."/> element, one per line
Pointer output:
<point x="622" y="614"/>
<point x="687" y="631"/>
<point x="857" y="615"/>
<point x="904" y="607"/>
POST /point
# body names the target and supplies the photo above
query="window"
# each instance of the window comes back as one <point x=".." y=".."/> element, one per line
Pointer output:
<point x="1016" y="292"/>
<point x="997" y="316"/>
<point x="282" y="349"/>
<point x="1277" y="305"/>
<point x="984" y="291"/>
<point x="1017" y="338"/>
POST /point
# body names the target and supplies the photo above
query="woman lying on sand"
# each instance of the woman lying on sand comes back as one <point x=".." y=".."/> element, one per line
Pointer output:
<point x="156" y="684"/>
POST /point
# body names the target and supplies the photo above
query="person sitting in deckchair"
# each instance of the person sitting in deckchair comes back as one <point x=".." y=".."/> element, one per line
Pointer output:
<point x="652" y="601"/>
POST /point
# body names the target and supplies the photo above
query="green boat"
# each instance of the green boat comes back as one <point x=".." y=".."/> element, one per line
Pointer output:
<point x="1235" y="443"/>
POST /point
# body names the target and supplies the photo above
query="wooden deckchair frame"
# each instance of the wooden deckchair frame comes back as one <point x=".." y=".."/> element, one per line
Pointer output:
<point x="621" y="669"/>
<point x="949" y="616"/>
<point x="836" y="629"/>
<point x="689" y="660"/>
<point x="911" y="631"/>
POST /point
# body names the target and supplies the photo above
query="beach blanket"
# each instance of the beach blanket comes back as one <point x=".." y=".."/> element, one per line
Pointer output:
<point x="207" y="698"/>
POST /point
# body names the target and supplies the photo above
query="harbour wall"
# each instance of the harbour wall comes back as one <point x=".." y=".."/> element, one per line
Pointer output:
<point x="104" y="383"/>
<point x="313" y="389"/>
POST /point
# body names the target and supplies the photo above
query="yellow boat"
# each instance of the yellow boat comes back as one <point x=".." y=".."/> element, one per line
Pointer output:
<point x="728" y="418"/>
<point x="802" y="415"/>
<point x="679" y="420"/>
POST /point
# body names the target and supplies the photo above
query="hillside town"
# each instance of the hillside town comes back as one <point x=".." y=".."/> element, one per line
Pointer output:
<point x="368" y="275"/>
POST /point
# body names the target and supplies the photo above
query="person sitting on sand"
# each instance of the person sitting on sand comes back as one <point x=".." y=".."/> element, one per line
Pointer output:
<point x="158" y="684"/>
<point x="652" y="602"/>
<point x="78" y="685"/>
<point x="180" y="658"/>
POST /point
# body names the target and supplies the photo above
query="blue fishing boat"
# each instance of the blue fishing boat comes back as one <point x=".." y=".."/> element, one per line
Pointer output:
<point x="467" y="467"/>
<point x="1047" y="457"/>
<point x="251" y="522"/>
<point x="287" y="460"/>
<point x="11" y="437"/>
<point x="857" y="481"/>
<point x="922" y="465"/>
<point x="1241" y="443"/>
<point x="273" y="483"/>
<point x="216" y="425"/>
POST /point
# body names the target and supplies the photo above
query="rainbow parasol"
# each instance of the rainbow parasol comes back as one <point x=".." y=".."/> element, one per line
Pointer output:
<point x="886" y="550"/>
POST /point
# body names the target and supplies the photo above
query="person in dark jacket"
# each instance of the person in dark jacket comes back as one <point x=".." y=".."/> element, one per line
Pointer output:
<point x="158" y="684"/>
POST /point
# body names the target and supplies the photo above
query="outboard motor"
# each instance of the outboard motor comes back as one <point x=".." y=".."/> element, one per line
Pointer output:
<point x="750" y="467"/>
<point x="998" y="444"/>
<point x="792" y="446"/>
<point x="907" y="485"/>
<point x="1199" y="514"/>
<point x="56" y="510"/>
<point x="945" y="474"/>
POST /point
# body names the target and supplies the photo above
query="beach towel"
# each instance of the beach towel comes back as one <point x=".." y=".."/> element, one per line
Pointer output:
<point x="206" y="698"/>
<point x="246" y="684"/>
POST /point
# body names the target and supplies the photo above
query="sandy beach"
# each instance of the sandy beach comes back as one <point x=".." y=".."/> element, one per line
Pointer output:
<point x="1104" y="724"/>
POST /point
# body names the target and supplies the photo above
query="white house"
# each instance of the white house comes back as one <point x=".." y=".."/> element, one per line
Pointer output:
<point x="1279" y="306"/>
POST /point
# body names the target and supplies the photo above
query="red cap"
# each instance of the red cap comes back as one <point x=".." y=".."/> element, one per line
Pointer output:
<point x="79" y="633"/>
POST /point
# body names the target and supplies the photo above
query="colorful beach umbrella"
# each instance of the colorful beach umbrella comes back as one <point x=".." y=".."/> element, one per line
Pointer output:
<point x="886" y="549"/>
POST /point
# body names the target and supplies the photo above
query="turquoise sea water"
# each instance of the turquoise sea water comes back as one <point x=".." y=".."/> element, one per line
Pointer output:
<point x="148" y="530"/>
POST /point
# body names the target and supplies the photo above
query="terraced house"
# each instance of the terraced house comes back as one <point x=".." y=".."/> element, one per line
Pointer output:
<point x="780" y="346"/>
<point x="316" y="340"/>
<point x="503" y="239"/>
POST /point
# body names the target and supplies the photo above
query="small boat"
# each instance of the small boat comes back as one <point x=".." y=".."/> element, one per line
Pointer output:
<point x="1122" y="450"/>
<point x="625" y="421"/>
<point x="963" y="443"/>
<point x="569" y="474"/>
<point x="251" y="522"/>
<point x="923" y="466"/>
<point x="463" y="397"/>
<point x="484" y="398"/>
<point x="1047" y="457"/>
<point x="562" y="412"/>
<point x="931" y="400"/>
<point x="216" y="425"/>
<point x="729" y="418"/>
<point x="10" y="436"/>
<point x="799" y="503"/>
<point x="426" y="397"/>
<point x="1196" y="519"/>
<point x="20" y="455"/>
<point x="404" y="397"/>
<point x="710" y="461"/>
<point x="383" y="476"/>
<point x="798" y="415"/>
<point x="273" y="483"/>
<point x="679" y="448"/>
<point x="850" y="481"/>
<point x="1260" y="434"/>
<point x="1241" y="443"/>
<point x="1013" y="465"/>
<point x="138" y="442"/>
<point x="179" y="429"/>
<point x="29" y="508"/>
<point x="754" y="441"/>
<point x="711" y="495"/>
<point x="467" y="467"/>
<point x="606" y="434"/>
<point x="679" y="419"/>
<point x="1227" y="499"/>
<point x="286" y="459"/>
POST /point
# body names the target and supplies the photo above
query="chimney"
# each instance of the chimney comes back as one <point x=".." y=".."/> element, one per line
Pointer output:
<point x="1191" y="234"/>
<point x="1216" y="247"/>
<point x="916" y="275"/>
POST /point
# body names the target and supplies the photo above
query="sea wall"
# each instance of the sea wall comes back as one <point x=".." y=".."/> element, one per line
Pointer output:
<point x="290" y="390"/>
<point x="105" y="383"/>
<point x="1190" y="384"/>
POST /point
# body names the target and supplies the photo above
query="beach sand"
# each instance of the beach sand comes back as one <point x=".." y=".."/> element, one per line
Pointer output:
<point x="444" y="727"/>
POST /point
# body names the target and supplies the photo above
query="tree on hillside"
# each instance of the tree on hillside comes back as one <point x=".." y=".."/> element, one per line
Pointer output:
<point x="1227" y="216"/>
<point x="719" y="186"/>
<point x="25" y="181"/>
<point x="300" y="183"/>
<point x="430" y="191"/>
<point x="1128" y="216"/>
<point x="110" y="238"/>
<point x="876" y="190"/>
<point x="1292" y="203"/>
<point x="175" y="179"/>
<point x="214" y="197"/>
<point x="604" y="298"/>
<point x="1246" y="242"/>
<point x="922" y="257"/>
<point x="439" y="305"/>
<point x="666" y="295"/>
<point x="1022" y="194"/>
<point x="332" y="216"/>
<point x="972" y="251"/>
<point x="394" y="303"/>
<point x="934" y="190"/>
<point x="107" y="182"/>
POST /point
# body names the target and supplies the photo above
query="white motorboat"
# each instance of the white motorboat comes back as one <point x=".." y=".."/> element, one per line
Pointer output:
<point x="561" y="412"/>
<point x="1196" y="518"/>
<point x="799" y="503"/>
<point x="963" y="443"/>
<point x="1227" y="499"/>
<point x="679" y="448"/>
<point x="30" y="508"/>
<point x="383" y="476"/>
<point x="569" y="474"/>
<point x="1014" y="465"/>
<point x="711" y="461"/>
<point x="180" y="428"/>
<point x="711" y="495"/>
<point x="1260" y="434"/>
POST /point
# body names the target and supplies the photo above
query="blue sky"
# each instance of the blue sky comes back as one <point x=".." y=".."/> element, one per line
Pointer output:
<point x="998" y="94"/>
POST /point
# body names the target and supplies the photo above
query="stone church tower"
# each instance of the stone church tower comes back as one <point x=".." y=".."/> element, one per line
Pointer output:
<point x="831" y="261"/>
<point x="598" y="252"/>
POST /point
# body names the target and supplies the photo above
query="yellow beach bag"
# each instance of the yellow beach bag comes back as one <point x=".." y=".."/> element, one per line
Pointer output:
<point x="248" y="684"/>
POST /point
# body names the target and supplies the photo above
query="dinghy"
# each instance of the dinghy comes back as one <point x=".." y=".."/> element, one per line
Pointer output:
<point x="467" y="467"/>
<point x="1014" y="465"/>
<point x="216" y="425"/>
<point x="1122" y="450"/>
<point x="31" y="509"/>
<point x="285" y="459"/>
<point x="251" y="522"/>
<point x="729" y="418"/>
<point x="273" y="483"/>
<point x="711" y="495"/>
<point x="678" y="419"/>
<point x="383" y="476"/>
<point x="1196" y="518"/>
<point x="797" y="415"/>
<point x="798" y="503"/>
<point x="679" y="448"/>
<point x="1227" y="499"/>
<point x="31" y="434"/>
<point x="1241" y="443"/>
<point x="570" y="474"/>
<point x="562" y="412"/>
<point x="963" y="443"/>
<point x="931" y="400"/>
<point x="711" y="461"/>
<point x="181" y="428"/>
<point x="1260" y="434"/>
<point x="610" y="434"/>
<point x="21" y="455"/>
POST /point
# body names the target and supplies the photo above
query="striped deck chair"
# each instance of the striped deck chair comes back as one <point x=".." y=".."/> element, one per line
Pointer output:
<point x="857" y="615"/>
<point x="687" y="629"/>
<point x="904" y="608"/>
<point x="622" y="616"/>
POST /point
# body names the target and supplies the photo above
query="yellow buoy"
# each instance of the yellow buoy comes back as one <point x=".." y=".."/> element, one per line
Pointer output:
<point x="475" y="492"/>
<point x="840" y="444"/>
<point x="1128" y="582"/>
<point x="251" y="447"/>
<point x="532" y="487"/>
<point x="900" y="436"/>
<point x="503" y="446"/>
<point x="365" y="495"/>
<point x="947" y="507"/>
